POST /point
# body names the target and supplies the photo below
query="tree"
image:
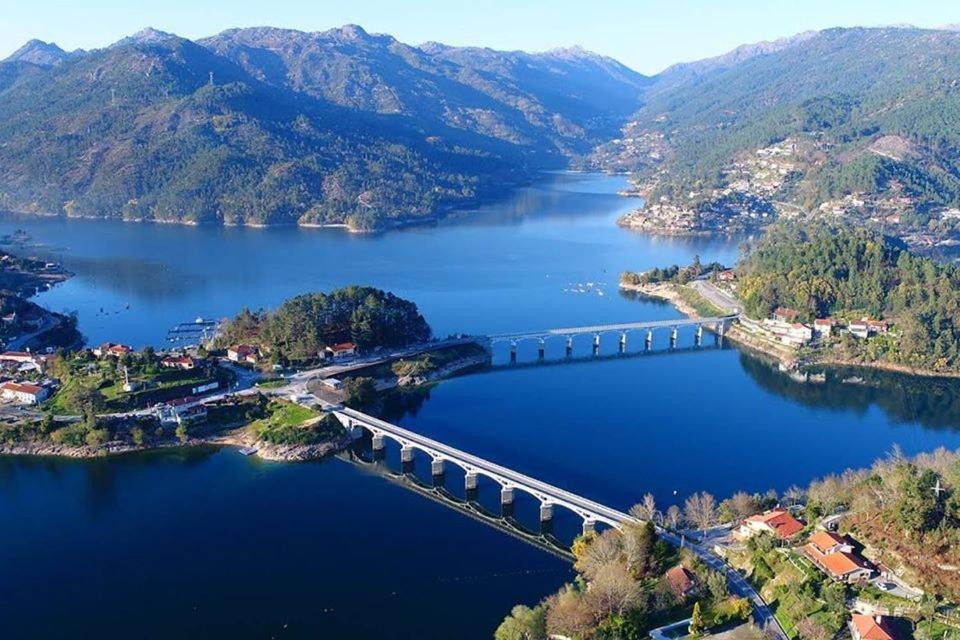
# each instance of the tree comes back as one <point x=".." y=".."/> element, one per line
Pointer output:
<point x="645" y="510"/>
<point x="181" y="433"/>
<point x="674" y="516"/>
<point x="700" y="509"/>
<point x="137" y="435"/>
<point x="359" y="392"/>
<point x="638" y="548"/>
<point x="606" y="548"/>
<point x="568" y="614"/>
<point x="96" y="437"/>
<point x="917" y="510"/>
<point x="523" y="623"/>
<point x="696" y="621"/>
<point x="717" y="585"/>
<point x="612" y="591"/>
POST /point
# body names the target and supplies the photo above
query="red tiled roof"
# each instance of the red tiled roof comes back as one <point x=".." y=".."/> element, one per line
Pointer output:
<point x="680" y="580"/>
<point x="824" y="540"/>
<point x="872" y="628"/>
<point x="21" y="387"/>
<point x="344" y="346"/>
<point x="784" y="524"/>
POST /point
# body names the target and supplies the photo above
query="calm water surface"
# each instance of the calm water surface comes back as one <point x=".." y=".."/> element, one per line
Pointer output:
<point x="212" y="544"/>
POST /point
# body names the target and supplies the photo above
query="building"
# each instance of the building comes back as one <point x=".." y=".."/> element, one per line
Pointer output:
<point x="23" y="392"/>
<point x="823" y="327"/>
<point x="340" y="350"/>
<point x="243" y="353"/>
<point x="835" y="556"/>
<point x="20" y="357"/>
<point x="858" y="329"/>
<point x="681" y="581"/>
<point x="864" y="627"/>
<point x="182" y="411"/>
<point x="727" y="276"/>
<point x="112" y="350"/>
<point x="778" y="523"/>
<point x="784" y="314"/>
<point x="184" y="363"/>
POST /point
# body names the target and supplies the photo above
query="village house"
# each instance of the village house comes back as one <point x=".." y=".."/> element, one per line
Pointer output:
<point x="243" y="353"/>
<point x="834" y="554"/>
<point x="184" y="363"/>
<point x="17" y="356"/>
<point x="182" y="411"/>
<point x="340" y="350"/>
<point x="727" y="276"/>
<point x="777" y="522"/>
<point x="823" y="327"/>
<point x="863" y="627"/>
<point x="681" y="581"/>
<point x="784" y="314"/>
<point x="112" y="350"/>
<point x="23" y="392"/>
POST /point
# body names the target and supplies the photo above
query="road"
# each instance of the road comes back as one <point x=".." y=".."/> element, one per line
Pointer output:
<point x="738" y="584"/>
<point x="716" y="296"/>
<point x="47" y="323"/>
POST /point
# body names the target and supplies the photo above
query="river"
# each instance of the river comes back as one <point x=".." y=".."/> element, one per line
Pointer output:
<point x="211" y="544"/>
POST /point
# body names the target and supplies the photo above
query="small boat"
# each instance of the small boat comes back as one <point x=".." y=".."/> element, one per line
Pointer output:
<point x="818" y="378"/>
<point x="853" y="380"/>
<point x="248" y="451"/>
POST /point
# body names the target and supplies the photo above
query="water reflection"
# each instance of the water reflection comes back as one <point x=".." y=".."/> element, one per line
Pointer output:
<point x="932" y="402"/>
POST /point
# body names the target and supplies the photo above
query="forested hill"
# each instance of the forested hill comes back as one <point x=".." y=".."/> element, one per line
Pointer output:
<point x="269" y="126"/>
<point x="863" y="111"/>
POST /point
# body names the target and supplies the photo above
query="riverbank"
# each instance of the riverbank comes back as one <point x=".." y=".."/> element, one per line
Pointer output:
<point x="236" y="436"/>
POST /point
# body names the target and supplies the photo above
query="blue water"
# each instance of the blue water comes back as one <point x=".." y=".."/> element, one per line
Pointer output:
<point x="218" y="545"/>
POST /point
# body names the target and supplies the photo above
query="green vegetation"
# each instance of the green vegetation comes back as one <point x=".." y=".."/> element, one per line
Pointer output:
<point x="621" y="592"/>
<point x="303" y="326"/>
<point x="864" y="110"/>
<point x="823" y="270"/>
<point x="89" y="385"/>
<point x="293" y="424"/>
<point x="359" y="393"/>
<point x="673" y="274"/>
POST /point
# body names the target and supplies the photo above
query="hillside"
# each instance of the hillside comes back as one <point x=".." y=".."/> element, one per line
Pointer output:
<point x="858" y="123"/>
<point x="268" y="126"/>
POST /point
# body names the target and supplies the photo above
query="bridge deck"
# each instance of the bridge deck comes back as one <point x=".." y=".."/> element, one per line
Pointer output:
<point x="509" y="477"/>
<point x="604" y="328"/>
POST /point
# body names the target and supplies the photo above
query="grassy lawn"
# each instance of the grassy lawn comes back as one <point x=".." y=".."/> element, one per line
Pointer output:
<point x="290" y="423"/>
<point x="699" y="303"/>
<point x="275" y="383"/>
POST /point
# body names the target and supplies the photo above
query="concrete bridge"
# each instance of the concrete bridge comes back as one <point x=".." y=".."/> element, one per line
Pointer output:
<point x="716" y="324"/>
<point x="473" y="466"/>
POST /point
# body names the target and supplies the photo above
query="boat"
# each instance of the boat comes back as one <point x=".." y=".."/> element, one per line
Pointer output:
<point x="853" y="380"/>
<point x="248" y="451"/>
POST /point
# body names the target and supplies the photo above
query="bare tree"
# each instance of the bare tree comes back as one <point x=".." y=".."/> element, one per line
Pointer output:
<point x="793" y="496"/>
<point x="673" y="516"/>
<point x="568" y="614"/>
<point x="612" y="591"/>
<point x="645" y="510"/>
<point x="742" y="504"/>
<point x="606" y="548"/>
<point x="701" y="509"/>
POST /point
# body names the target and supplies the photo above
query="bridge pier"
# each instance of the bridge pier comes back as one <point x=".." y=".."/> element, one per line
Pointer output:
<point x="541" y="348"/>
<point x="546" y="511"/>
<point x="596" y="344"/>
<point x="506" y="501"/>
<point x="673" y="338"/>
<point x="569" y="346"/>
<point x="699" y="338"/>
<point x="513" y="352"/>
<point x="379" y="447"/>
<point x="623" y="342"/>
<point x="589" y="526"/>
<point x="406" y="458"/>
<point x="718" y="332"/>
<point x="470" y="486"/>
<point x="437" y="471"/>
<point x="648" y="345"/>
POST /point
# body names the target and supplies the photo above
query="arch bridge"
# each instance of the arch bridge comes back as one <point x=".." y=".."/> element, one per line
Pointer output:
<point x="589" y="511"/>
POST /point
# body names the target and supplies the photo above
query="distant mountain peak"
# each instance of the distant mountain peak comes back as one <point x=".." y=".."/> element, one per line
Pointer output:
<point x="148" y="35"/>
<point x="38" y="52"/>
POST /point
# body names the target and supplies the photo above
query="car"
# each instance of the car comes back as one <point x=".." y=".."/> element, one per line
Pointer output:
<point x="886" y="586"/>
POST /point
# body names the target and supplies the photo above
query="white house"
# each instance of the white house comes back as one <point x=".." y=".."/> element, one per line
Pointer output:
<point x="23" y="392"/>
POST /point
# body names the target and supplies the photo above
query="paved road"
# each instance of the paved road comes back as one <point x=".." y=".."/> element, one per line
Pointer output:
<point x="716" y="296"/>
<point x="47" y="323"/>
<point x="738" y="585"/>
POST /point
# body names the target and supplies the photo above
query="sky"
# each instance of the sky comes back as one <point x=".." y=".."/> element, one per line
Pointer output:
<point x="648" y="35"/>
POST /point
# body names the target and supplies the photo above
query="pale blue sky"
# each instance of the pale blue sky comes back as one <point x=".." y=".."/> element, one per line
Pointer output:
<point x="645" y="34"/>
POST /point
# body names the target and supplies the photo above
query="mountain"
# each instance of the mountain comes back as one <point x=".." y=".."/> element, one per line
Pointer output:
<point x="40" y="53"/>
<point x="549" y="104"/>
<point x="266" y="126"/>
<point x="860" y="122"/>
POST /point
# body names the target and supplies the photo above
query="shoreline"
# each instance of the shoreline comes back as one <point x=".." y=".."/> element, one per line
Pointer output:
<point x="784" y="355"/>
